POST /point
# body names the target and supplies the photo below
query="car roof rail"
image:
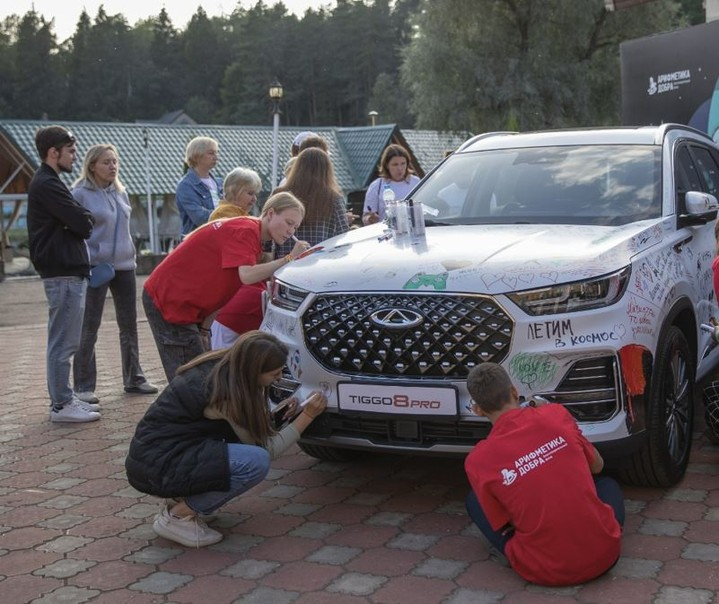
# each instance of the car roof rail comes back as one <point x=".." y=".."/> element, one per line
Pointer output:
<point x="482" y="136"/>
<point x="664" y="129"/>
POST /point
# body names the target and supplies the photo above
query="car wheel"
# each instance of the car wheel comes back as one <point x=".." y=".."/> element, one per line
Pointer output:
<point x="329" y="453"/>
<point x="663" y="459"/>
<point x="711" y="411"/>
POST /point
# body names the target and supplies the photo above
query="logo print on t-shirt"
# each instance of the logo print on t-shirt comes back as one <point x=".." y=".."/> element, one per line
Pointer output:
<point x="508" y="477"/>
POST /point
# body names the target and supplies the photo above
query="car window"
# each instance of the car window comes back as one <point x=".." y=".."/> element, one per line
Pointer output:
<point x="687" y="176"/>
<point x="707" y="168"/>
<point x="593" y="184"/>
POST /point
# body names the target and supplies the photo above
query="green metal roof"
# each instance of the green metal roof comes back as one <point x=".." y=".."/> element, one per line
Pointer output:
<point x="355" y="151"/>
<point x="431" y="146"/>
<point x="363" y="148"/>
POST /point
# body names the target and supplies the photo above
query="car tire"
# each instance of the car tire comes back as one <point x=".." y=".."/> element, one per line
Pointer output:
<point x="329" y="453"/>
<point x="662" y="460"/>
<point x="711" y="411"/>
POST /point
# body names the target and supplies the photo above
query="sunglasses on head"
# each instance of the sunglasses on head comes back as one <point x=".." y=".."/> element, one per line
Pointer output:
<point x="67" y="138"/>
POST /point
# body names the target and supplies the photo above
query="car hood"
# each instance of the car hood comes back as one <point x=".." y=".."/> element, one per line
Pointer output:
<point x="491" y="259"/>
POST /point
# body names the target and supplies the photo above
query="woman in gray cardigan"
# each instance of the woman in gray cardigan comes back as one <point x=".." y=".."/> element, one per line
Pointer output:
<point x="99" y="190"/>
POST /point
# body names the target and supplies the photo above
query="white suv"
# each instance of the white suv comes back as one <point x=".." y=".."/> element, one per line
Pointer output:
<point x="580" y="260"/>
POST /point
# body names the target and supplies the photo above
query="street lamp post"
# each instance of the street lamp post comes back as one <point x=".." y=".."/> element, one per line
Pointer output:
<point x="276" y="96"/>
<point x="373" y="117"/>
<point x="148" y="187"/>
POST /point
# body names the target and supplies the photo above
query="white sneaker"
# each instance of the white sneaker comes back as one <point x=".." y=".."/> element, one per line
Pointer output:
<point x="86" y="406"/>
<point x="206" y="518"/>
<point x="87" y="397"/>
<point x="190" y="531"/>
<point x="74" y="413"/>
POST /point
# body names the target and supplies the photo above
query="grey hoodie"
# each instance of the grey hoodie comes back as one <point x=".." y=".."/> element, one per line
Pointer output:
<point x="107" y="206"/>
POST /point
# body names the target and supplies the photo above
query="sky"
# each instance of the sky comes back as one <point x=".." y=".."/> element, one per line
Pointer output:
<point x="67" y="12"/>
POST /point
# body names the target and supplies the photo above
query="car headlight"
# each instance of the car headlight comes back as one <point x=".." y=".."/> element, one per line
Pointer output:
<point x="285" y="296"/>
<point x="571" y="297"/>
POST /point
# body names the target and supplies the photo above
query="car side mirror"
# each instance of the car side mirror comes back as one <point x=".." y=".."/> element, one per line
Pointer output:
<point x="700" y="208"/>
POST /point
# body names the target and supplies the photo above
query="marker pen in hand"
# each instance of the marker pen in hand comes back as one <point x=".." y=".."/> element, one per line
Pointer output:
<point x="534" y="401"/>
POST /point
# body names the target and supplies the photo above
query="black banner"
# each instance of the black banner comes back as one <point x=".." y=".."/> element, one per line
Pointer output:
<point x="673" y="77"/>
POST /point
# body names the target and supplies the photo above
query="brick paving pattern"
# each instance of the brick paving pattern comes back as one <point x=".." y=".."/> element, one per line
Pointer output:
<point x="382" y="530"/>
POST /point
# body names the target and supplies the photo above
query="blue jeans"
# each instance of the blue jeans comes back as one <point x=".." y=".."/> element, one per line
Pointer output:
<point x="248" y="467"/>
<point x="66" y="306"/>
<point x="177" y="344"/>
<point x="123" y="288"/>
<point x="608" y="491"/>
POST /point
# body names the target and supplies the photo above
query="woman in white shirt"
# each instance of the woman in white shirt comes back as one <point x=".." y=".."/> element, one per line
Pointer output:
<point x="395" y="171"/>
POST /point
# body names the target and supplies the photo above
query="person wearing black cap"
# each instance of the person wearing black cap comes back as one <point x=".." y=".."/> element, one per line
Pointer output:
<point x="57" y="228"/>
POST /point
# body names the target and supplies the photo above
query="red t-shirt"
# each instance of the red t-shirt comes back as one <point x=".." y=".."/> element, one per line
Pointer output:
<point x="533" y="472"/>
<point x="715" y="270"/>
<point x="200" y="275"/>
<point x="244" y="310"/>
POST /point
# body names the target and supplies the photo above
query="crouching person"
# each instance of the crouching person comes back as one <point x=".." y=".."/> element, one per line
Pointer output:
<point x="533" y="495"/>
<point x="209" y="436"/>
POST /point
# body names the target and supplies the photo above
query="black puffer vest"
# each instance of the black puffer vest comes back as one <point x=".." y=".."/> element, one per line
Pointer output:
<point x="176" y="451"/>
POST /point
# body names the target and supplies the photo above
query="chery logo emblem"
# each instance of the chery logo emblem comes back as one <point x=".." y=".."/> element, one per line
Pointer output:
<point x="396" y="318"/>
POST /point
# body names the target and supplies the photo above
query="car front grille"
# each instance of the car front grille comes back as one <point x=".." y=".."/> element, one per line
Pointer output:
<point x="395" y="432"/>
<point x="437" y="336"/>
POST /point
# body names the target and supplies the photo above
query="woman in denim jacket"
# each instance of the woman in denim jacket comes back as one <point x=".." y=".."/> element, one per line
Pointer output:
<point x="198" y="192"/>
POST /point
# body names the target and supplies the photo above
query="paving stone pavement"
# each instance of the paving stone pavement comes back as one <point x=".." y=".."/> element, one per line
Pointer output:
<point x="382" y="530"/>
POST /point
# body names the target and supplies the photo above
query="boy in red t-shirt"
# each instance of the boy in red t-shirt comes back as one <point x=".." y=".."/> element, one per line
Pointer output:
<point x="533" y="495"/>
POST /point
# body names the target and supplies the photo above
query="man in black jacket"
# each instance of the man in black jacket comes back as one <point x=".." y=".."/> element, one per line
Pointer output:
<point x="57" y="228"/>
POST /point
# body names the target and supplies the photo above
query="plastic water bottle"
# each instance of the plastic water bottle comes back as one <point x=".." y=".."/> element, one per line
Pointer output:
<point x="402" y="217"/>
<point x="390" y="207"/>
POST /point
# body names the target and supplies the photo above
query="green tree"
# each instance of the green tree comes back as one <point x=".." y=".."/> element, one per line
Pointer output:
<point x="160" y="75"/>
<point x="8" y="35"/>
<point x="364" y="44"/>
<point x="79" y="104"/>
<point x="490" y="64"/>
<point x="390" y="101"/>
<point x="310" y="93"/>
<point x="261" y="51"/>
<point x="205" y="53"/>
<point x="101" y="67"/>
<point x="694" y="11"/>
<point x="38" y="89"/>
<point x="465" y="64"/>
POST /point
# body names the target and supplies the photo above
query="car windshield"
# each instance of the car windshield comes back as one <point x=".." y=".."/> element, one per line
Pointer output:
<point x="591" y="184"/>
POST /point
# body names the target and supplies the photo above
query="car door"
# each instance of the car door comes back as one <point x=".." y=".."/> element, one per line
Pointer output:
<point x="696" y="169"/>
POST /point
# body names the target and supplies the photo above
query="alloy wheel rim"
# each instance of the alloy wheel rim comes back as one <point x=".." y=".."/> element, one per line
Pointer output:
<point x="678" y="413"/>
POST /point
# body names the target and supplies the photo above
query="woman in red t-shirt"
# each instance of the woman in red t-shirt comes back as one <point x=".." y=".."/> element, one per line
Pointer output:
<point x="200" y="275"/>
<point x="312" y="180"/>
